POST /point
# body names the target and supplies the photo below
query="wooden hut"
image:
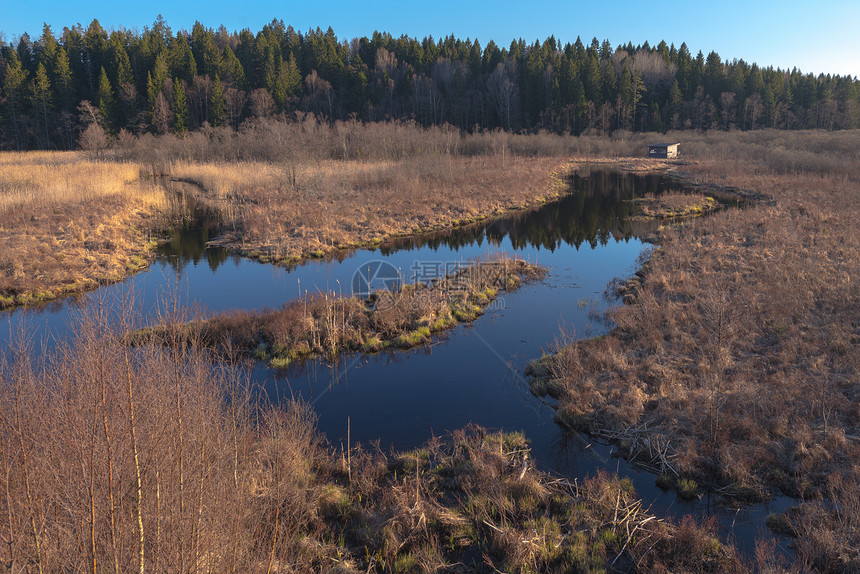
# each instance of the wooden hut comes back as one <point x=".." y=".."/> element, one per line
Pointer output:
<point x="663" y="150"/>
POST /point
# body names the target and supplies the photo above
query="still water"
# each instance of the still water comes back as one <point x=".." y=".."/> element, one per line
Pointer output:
<point x="472" y="374"/>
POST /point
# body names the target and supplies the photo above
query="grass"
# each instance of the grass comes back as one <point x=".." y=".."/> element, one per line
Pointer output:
<point x="285" y="191"/>
<point x="739" y="348"/>
<point x="326" y="324"/>
<point x="332" y="205"/>
<point x="737" y="352"/>
<point x="674" y="205"/>
<point x="157" y="458"/>
<point x="68" y="224"/>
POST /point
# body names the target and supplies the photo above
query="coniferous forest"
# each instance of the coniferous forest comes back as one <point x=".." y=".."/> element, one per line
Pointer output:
<point x="159" y="81"/>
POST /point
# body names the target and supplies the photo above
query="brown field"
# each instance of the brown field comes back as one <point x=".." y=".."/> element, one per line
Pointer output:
<point x="68" y="224"/>
<point x="341" y="204"/>
<point x="285" y="191"/>
<point x="736" y="359"/>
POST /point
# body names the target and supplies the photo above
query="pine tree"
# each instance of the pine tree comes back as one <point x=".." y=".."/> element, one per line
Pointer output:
<point x="637" y="89"/>
<point x="151" y="101"/>
<point x="216" y="103"/>
<point x="676" y="102"/>
<point x="42" y="95"/>
<point x="63" y="80"/>
<point x="182" y="62"/>
<point x="106" y="101"/>
<point x="233" y="70"/>
<point x="180" y="108"/>
<point x="14" y="86"/>
<point x="120" y="61"/>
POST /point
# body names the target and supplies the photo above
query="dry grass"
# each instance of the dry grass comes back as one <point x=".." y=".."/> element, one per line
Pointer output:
<point x="669" y="205"/>
<point x="283" y="213"/>
<point x="738" y="358"/>
<point x="154" y="460"/>
<point x="286" y="190"/>
<point x="67" y="224"/>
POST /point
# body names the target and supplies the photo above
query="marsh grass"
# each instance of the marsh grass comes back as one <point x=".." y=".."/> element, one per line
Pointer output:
<point x="323" y="206"/>
<point x="738" y="354"/>
<point x="158" y="458"/>
<point x="68" y="224"/>
<point x="672" y="205"/>
<point x="329" y="323"/>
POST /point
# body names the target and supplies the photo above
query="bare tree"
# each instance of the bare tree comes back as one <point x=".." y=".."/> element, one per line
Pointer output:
<point x="727" y="109"/>
<point x="94" y="140"/>
<point x="503" y="91"/>
<point x="262" y="103"/>
<point x="752" y="110"/>
<point x="319" y="94"/>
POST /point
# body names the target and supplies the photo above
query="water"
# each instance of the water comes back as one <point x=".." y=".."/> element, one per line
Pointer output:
<point x="472" y="374"/>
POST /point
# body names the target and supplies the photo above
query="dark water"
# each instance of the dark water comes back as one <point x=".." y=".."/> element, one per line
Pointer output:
<point x="473" y="374"/>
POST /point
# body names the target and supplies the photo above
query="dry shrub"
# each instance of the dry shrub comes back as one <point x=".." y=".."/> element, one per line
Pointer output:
<point x="827" y="529"/>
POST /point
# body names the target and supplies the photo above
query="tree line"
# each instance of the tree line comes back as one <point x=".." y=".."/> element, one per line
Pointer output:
<point x="158" y="81"/>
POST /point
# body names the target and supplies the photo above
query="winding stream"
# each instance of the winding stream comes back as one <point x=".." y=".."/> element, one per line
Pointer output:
<point x="472" y="374"/>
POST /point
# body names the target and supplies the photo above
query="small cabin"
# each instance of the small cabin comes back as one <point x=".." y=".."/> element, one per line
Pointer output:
<point x="666" y="150"/>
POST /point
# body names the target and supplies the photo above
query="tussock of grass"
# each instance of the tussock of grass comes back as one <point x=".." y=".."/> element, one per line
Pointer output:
<point x="674" y="205"/>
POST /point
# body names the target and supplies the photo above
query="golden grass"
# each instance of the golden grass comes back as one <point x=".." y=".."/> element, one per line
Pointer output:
<point x="40" y="180"/>
<point x="67" y="223"/>
<point x="282" y="212"/>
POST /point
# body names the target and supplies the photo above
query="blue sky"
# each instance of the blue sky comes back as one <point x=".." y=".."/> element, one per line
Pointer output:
<point x="818" y="37"/>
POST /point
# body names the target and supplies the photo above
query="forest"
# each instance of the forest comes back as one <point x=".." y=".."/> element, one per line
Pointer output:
<point x="122" y="83"/>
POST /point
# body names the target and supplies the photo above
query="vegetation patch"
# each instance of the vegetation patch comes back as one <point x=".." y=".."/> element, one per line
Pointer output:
<point x="254" y="487"/>
<point x="68" y="224"/>
<point x="327" y="324"/>
<point x="734" y="365"/>
<point x="673" y="205"/>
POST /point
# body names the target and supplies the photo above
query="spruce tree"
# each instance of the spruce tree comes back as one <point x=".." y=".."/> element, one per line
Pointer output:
<point x="63" y="80"/>
<point x="106" y="101"/>
<point x="42" y="96"/>
<point x="216" y="103"/>
<point x="180" y="108"/>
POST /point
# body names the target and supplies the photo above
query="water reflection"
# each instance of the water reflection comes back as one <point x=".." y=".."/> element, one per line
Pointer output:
<point x="596" y="210"/>
<point x="187" y="243"/>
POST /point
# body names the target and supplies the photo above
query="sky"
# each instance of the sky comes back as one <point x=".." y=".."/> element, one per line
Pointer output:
<point x="816" y="37"/>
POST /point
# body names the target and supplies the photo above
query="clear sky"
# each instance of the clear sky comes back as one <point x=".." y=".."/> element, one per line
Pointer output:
<point x="817" y="37"/>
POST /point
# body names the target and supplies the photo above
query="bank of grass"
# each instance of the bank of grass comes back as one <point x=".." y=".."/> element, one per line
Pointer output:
<point x="329" y="323"/>
<point x="154" y="459"/>
<point x="283" y="215"/>
<point x="735" y="362"/>
<point x="68" y="224"/>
